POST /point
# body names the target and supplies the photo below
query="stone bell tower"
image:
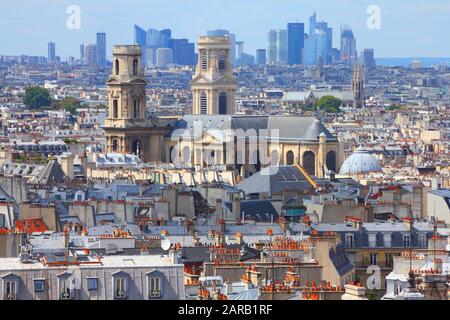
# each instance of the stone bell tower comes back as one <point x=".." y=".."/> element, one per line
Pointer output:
<point x="213" y="85"/>
<point x="126" y="124"/>
<point x="358" y="87"/>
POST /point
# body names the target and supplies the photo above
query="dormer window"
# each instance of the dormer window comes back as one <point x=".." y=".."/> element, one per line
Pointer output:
<point x="120" y="288"/>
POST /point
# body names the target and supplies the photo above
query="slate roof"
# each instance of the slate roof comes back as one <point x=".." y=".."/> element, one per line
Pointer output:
<point x="290" y="127"/>
<point x="258" y="210"/>
<point x="275" y="179"/>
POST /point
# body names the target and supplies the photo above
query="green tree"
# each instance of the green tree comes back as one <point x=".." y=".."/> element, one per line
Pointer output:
<point x="328" y="104"/>
<point x="394" y="107"/>
<point x="37" y="98"/>
<point x="70" y="104"/>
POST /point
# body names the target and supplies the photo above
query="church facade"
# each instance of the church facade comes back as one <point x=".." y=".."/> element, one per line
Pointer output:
<point x="213" y="135"/>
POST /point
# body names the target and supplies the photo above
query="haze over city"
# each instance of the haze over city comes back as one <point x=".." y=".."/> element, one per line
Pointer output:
<point x="26" y="26"/>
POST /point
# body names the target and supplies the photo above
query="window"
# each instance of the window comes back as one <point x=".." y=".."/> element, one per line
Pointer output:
<point x="223" y="102"/>
<point x="372" y="240"/>
<point x="350" y="240"/>
<point x="155" y="287"/>
<point x="10" y="290"/>
<point x="373" y="258"/>
<point x="120" y="288"/>
<point x="389" y="260"/>
<point x="65" y="291"/>
<point x="115" y="109"/>
<point x="222" y="65"/>
<point x="204" y="60"/>
<point x="39" y="285"/>
<point x="92" y="284"/>
<point x="203" y="103"/>
<point x="387" y="239"/>
<point x="423" y="240"/>
<point x="135" y="67"/>
<point x="406" y="240"/>
<point x="117" y="67"/>
<point x="137" y="105"/>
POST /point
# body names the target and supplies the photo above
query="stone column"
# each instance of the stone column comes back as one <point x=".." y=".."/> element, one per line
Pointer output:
<point x="321" y="155"/>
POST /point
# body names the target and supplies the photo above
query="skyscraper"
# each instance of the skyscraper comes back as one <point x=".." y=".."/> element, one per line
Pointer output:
<point x="166" y="35"/>
<point x="368" y="59"/>
<point x="90" y="54"/>
<point x="296" y="43"/>
<point x="140" y="38"/>
<point x="51" y="57"/>
<point x="183" y="52"/>
<point x="348" y="45"/>
<point x="282" y="46"/>
<point x="82" y="52"/>
<point x="101" y="49"/>
<point x="164" y="57"/>
<point x="260" y="56"/>
<point x="319" y="43"/>
<point x="272" y="46"/>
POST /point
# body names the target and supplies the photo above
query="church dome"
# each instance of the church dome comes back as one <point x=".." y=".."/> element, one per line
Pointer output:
<point x="360" y="162"/>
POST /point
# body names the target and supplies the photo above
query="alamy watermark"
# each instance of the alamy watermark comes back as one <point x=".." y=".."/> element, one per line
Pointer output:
<point x="73" y="21"/>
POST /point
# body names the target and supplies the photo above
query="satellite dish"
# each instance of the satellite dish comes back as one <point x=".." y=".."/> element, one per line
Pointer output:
<point x="165" y="244"/>
<point x="447" y="247"/>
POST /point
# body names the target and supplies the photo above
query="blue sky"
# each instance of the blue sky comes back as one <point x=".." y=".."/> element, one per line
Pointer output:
<point x="408" y="27"/>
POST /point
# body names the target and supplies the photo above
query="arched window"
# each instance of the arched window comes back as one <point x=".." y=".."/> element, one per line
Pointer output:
<point x="135" y="67"/>
<point x="203" y="103"/>
<point x="331" y="161"/>
<point x="115" y="109"/>
<point x="223" y="101"/>
<point x="204" y="60"/>
<point x="117" y="67"/>
<point x="309" y="162"/>
<point x="289" y="158"/>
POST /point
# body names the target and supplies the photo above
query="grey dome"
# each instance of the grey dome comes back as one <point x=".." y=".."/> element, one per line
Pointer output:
<point x="360" y="162"/>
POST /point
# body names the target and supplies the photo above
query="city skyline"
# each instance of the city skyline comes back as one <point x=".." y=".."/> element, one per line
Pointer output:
<point x="26" y="33"/>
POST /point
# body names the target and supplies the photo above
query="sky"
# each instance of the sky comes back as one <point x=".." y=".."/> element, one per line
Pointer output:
<point x="408" y="28"/>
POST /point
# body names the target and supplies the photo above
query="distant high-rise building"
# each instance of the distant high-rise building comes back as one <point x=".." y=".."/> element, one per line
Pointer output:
<point x="319" y="43"/>
<point x="261" y="56"/>
<point x="90" y="54"/>
<point x="140" y="38"/>
<point x="240" y="49"/>
<point x="51" y="52"/>
<point x="164" y="57"/>
<point x="101" y="49"/>
<point x="282" y="46"/>
<point x="271" y="46"/>
<point x="296" y="43"/>
<point x="82" y="52"/>
<point x="368" y="59"/>
<point x="348" y="45"/>
<point x="183" y="52"/>
<point x="166" y="35"/>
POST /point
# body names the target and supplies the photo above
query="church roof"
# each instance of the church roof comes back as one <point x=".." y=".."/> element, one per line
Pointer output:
<point x="289" y="127"/>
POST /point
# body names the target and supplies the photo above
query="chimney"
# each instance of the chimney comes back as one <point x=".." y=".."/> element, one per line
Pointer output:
<point x="239" y="238"/>
<point x="67" y="165"/>
<point x="219" y="208"/>
<point x="236" y="206"/>
<point x="256" y="277"/>
<point x="408" y="222"/>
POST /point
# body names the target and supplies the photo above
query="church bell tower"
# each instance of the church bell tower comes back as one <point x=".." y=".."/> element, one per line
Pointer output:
<point x="358" y="87"/>
<point x="213" y="84"/>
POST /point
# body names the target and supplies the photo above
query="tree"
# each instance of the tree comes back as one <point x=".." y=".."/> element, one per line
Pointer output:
<point x="328" y="104"/>
<point x="37" y="98"/>
<point x="70" y="104"/>
<point x="394" y="107"/>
